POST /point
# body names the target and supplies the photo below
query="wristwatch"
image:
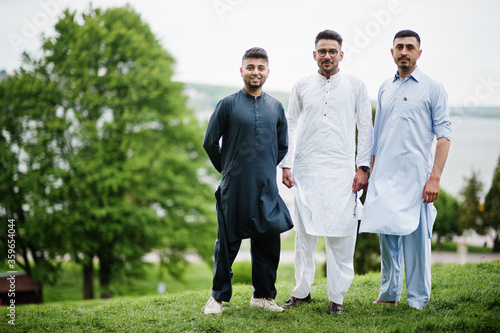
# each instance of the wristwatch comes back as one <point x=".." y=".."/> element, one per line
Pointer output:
<point x="364" y="168"/>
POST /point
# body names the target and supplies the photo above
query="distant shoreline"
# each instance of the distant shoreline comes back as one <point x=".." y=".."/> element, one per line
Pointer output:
<point x="482" y="112"/>
<point x="205" y="97"/>
<point x="474" y="115"/>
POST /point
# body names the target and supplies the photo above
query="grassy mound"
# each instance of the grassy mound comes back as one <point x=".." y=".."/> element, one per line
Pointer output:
<point x="464" y="299"/>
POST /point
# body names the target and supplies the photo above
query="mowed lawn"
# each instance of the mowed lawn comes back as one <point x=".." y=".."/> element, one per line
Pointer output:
<point x="464" y="299"/>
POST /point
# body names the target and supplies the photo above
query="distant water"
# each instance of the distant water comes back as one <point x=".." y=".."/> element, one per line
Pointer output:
<point x="475" y="145"/>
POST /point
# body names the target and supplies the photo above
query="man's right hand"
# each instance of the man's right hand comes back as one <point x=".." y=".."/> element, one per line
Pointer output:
<point x="287" y="177"/>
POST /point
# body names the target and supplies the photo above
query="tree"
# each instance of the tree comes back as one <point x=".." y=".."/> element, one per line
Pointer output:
<point x="446" y="224"/>
<point x="471" y="209"/>
<point x="29" y="191"/>
<point x="127" y="160"/>
<point x="492" y="208"/>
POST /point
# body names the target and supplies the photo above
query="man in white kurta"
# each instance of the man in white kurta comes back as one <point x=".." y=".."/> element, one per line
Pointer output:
<point x="323" y="113"/>
<point x="412" y="111"/>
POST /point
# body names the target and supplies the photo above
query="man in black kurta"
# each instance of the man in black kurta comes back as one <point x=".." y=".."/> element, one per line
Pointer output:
<point x="253" y="129"/>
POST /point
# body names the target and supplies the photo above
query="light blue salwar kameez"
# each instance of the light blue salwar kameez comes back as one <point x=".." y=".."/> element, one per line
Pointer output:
<point x="410" y="115"/>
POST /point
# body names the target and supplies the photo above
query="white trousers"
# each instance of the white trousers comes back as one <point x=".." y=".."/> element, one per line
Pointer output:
<point x="339" y="263"/>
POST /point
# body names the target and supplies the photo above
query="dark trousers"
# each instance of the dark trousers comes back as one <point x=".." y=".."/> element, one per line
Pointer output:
<point x="265" y="252"/>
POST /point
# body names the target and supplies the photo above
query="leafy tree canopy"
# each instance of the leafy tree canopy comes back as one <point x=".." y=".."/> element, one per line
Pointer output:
<point x="446" y="224"/>
<point x="100" y="150"/>
<point x="471" y="209"/>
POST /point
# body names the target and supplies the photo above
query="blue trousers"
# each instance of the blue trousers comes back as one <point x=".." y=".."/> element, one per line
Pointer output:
<point x="413" y="254"/>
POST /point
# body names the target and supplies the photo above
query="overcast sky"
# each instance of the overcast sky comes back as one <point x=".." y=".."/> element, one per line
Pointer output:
<point x="208" y="37"/>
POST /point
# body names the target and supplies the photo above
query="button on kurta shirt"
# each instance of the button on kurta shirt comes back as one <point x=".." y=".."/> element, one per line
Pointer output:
<point x="322" y="118"/>
<point x="254" y="141"/>
<point x="410" y="114"/>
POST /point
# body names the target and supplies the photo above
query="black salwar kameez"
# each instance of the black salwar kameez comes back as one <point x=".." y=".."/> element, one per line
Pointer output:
<point x="254" y="141"/>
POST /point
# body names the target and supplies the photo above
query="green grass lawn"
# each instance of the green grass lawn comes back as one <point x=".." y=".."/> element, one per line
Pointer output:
<point x="68" y="286"/>
<point x="198" y="277"/>
<point x="464" y="299"/>
<point x="70" y="282"/>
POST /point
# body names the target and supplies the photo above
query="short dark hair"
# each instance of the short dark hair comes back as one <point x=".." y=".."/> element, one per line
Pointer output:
<point x="328" y="34"/>
<point x="407" y="33"/>
<point x="256" y="52"/>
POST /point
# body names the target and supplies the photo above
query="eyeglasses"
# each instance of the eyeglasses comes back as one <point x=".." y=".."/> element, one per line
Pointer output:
<point x="332" y="52"/>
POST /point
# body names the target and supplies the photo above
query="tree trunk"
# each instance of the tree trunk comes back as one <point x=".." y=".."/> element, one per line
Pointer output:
<point x="496" y="243"/>
<point x="438" y="242"/>
<point x="88" y="280"/>
<point x="105" y="275"/>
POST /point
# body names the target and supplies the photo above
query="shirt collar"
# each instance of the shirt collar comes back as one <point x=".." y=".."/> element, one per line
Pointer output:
<point x="247" y="95"/>
<point x="415" y="75"/>
<point x="323" y="78"/>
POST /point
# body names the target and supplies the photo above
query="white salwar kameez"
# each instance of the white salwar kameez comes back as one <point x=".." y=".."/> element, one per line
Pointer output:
<point x="322" y="118"/>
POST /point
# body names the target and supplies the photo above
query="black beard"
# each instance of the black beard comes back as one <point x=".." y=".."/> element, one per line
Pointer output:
<point x="331" y="70"/>
<point x="258" y="85"/>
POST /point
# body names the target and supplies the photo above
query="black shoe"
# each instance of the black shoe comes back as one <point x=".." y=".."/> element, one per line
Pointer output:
<point x="336" y="308"/>
<point x="294" y="301"/>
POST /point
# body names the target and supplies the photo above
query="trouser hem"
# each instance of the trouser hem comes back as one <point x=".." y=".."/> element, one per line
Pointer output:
<point x="417" y="304"/>
<point x="337" y="300"/>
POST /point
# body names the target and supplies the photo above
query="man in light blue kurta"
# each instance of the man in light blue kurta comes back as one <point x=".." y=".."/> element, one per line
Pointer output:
<point x="411" y="111"/>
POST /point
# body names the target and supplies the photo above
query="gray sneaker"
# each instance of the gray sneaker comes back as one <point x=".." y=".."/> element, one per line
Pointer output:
<point x="213" y="306"/>
<point x="265" y="303"/>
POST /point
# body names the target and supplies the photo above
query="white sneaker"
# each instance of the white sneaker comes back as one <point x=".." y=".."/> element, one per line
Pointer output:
<point x="265" y="303"/>
<point x="213" y="306"/>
